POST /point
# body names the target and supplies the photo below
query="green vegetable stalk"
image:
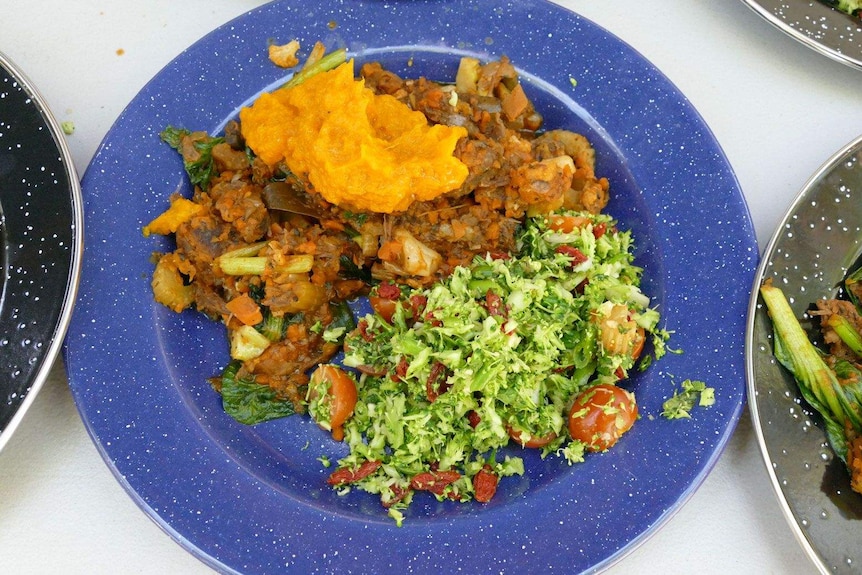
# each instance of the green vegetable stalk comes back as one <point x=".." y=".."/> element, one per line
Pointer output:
<point x="848" y="334"/>
<point x="326" y="63"/>
<point x="834" y="392"/>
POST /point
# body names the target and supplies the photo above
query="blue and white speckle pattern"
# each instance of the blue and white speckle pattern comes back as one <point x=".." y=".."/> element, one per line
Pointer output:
<point x="253" y="499"/>
<point x="40" y="213"/>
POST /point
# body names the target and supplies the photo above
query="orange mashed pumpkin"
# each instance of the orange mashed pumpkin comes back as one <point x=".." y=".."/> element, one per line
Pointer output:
<point x="359" y="150"/>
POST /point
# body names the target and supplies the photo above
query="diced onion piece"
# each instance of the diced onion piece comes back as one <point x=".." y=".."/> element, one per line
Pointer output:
<point x="245" y="251"/>
<point x="247" y="343"/>
<point x="169" y="288"/>
<point x="415" y="258"/>
<point x="468" y="74"/>
<point x="256" y="265"/>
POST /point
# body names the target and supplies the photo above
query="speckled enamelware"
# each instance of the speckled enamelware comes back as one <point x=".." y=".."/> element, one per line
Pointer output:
<point x="818" y="239"/>
<point x="817" y="25"/>
<point x="40" y="231"/>
<point x="254" y="499"/>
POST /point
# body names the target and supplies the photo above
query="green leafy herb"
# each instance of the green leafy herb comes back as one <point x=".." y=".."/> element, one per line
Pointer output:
<point x="683" y="401"/>
<point x="202" y="169"/>
<point x="349" y="270"/>
<point x="249" y="402"/>
<point x="272" y="326"/>
<point x="358" y="218"/>
<point x="342" y="319"/>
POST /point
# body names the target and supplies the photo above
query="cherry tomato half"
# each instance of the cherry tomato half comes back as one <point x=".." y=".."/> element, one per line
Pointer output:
<point x="341" y="395"/>
<point x="567" y="224"/>
<point x="601" y="414"/>
<point x="383" y="307"/>
<point x="532" y="443"/>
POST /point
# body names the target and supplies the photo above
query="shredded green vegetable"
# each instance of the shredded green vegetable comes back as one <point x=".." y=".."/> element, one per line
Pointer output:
<point x="503" y="345"/>
<point x="691" y="393"/>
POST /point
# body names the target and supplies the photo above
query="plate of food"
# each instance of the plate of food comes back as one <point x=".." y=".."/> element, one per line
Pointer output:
<point x="372" y="275"/>
<point x="41" y="216"/>
<point x="800" y="316"/>
<point x="830" y="27"/>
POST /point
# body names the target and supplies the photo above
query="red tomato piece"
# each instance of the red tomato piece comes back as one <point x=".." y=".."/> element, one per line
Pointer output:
<point x="417" y="305"/>
<point x="434" y="481"/>
<point x="577" y="256"/>
<point x="600" y="416"/>
<point x="494" y="304"/>
<point x="387" y="290"/>
<point x="398" y="494"/>
<point x="383" y="307"/>
<point x="342" y="396"/>
<point x="485" y="484"/>
<point x="348" y="475"/>
<point x="599" y="230"/>
<point x="436" y="383"/>
<point x="534" y="442"/>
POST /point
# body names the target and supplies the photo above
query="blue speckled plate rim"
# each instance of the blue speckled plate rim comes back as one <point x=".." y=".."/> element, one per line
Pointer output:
<point x="691" y="155"/>
<point x="61" y="320"/>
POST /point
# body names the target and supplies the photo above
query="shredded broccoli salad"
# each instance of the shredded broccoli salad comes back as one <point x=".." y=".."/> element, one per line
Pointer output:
<point x="498" y="351"/>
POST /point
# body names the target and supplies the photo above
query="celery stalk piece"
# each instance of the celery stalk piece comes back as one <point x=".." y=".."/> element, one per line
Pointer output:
<point x="848" y="334"/>
<point x="853" y="287"/>
<point x="798" y="354"/>
<point x="241" y="266"/>
<point x="838" y="401"/>
<point x="256" y="265"/>
<point x="245" y="251"/>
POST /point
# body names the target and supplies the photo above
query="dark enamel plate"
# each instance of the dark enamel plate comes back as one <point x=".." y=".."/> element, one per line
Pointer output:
<point x="830" y="32"/>
<point x="818" y="240"/>
<point x="42" y="237"/>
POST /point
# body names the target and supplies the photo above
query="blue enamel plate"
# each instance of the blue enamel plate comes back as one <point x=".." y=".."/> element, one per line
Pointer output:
<point x="254" y="499"/>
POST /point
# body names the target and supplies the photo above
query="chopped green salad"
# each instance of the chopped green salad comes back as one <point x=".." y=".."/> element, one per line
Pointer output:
<point x="515" y="348"/>
<point x="851" y="7"/>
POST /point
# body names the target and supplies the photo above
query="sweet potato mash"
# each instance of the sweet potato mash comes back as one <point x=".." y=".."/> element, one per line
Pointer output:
<point x="359" y="150"/>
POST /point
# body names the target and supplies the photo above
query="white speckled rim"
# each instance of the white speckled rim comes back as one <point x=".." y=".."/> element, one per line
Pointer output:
<point x="52" y="350"/>
<point x="255" y="499"/>
<point x="816" y="25"/>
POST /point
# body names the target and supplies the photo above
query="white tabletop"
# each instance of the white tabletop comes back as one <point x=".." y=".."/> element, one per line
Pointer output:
<point x="778" y="109"/>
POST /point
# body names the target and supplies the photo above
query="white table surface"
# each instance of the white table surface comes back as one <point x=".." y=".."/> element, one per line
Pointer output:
<point x="778" y="109"/>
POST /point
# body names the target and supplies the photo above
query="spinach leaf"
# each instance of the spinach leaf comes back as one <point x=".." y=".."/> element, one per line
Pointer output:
<point x="249" y="402"/>
<point x="201" y="170"/>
